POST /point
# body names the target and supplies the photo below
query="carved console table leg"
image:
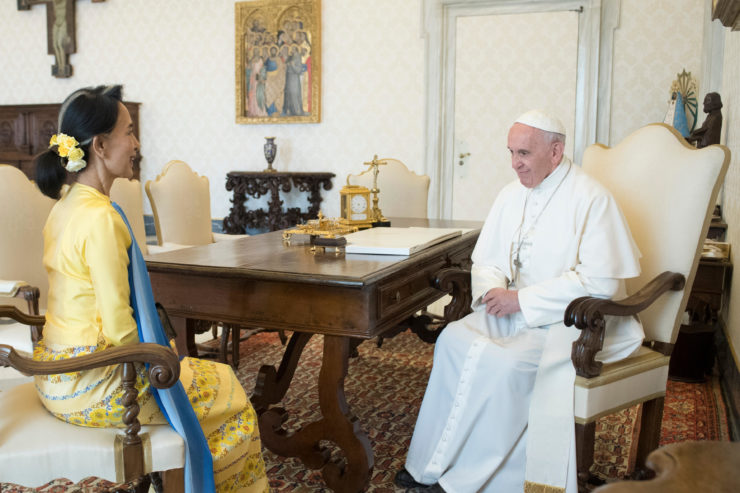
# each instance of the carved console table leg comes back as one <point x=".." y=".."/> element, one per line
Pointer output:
<point x="336" y="425"/>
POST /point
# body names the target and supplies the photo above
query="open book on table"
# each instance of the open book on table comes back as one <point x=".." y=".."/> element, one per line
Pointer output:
<point x="397" y="241"/>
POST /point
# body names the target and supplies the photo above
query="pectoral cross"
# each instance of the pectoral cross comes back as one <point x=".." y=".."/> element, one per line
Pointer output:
<point x="60" y="35"/>
<point x="377" y="214"/>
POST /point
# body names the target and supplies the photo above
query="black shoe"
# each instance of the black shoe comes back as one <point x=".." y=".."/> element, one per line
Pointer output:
<point x="404" y="479"/>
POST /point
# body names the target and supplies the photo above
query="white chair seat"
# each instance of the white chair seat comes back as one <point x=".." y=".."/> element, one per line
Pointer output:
<point x="636" y="379"/>
<point x="72" y="452"/>
<point x="19" y="336"/>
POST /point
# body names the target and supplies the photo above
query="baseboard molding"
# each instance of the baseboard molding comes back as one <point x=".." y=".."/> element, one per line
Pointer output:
<point x="730" y="382"/>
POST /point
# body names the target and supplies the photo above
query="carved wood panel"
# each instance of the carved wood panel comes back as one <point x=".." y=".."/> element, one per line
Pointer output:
<point x="25" y="131"/>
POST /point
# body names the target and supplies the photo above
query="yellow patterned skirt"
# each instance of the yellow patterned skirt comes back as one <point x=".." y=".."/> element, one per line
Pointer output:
<point x="93" y="398"/>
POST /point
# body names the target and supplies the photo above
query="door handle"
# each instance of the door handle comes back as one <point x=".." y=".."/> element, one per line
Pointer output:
<point x="463" y="156"/>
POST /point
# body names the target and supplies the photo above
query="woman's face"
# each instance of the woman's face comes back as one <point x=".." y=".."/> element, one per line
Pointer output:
<point x="121" y="146"/>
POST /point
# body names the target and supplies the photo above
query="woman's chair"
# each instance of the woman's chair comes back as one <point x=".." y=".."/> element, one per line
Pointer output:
<point x="37" y="447"/>
<point x="403" y="193"/>
<point x="23" y="280"/>
<point x="667" y="191"/>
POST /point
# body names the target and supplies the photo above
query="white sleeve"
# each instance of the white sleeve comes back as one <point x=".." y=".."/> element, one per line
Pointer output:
<point x="544" y="303"/>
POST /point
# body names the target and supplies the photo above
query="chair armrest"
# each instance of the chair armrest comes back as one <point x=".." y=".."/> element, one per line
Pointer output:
<point x="587" y="314"/>
<point x="163" y="372"/>
<point x="456" y="282"/>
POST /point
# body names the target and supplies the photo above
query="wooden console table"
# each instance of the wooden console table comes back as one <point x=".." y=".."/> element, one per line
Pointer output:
<point x="259" y="183"/>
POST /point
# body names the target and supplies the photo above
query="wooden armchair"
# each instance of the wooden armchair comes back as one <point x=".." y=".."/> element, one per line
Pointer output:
<point x="37" y="447"/>
<point x="667" y="191"/>
<point x="23" y="281"/>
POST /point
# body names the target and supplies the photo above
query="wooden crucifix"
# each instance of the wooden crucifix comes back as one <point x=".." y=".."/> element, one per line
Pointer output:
<point x="60" y="31"/>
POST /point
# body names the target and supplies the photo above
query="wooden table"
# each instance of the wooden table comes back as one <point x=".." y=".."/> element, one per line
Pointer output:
<point x="261" y="282"/>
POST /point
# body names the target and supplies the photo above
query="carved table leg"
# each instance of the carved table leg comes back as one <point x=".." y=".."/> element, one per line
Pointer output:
<point x="185" y="336"/>
<point x="336" y="425"/>
<point x="272" y="385"/>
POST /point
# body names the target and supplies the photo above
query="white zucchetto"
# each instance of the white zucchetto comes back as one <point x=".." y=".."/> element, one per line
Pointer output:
<point x="543" y="121"/>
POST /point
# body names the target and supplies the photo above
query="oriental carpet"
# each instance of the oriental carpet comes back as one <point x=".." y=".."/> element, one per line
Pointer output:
<point x="384" y="389"/>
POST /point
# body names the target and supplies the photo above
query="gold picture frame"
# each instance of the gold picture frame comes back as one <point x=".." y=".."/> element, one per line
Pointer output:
<point x="278" y="61"/>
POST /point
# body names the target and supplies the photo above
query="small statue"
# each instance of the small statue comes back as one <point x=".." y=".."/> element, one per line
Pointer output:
<point x="710" y="130"/>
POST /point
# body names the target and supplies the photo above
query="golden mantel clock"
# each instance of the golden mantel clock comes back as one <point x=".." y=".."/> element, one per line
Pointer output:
<point x="355" y="206"/>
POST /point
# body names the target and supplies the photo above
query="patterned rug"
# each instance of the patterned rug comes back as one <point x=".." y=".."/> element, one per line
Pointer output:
<point x="384" y="389"/>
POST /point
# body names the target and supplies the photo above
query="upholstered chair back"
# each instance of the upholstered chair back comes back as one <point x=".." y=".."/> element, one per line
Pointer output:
<point x="128" y="195"/>
<point x="403" y="193"/>
<point x="181" y="203"/>
<point x="662" y="185"/>
<point x="23" y="213"/>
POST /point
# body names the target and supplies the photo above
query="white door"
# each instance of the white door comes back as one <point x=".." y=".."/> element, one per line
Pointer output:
<point x="506" y="64"/>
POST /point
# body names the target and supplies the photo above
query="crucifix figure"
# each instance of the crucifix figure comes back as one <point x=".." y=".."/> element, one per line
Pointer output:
<point x="378" y="218"/>
<point x="60" y="36"/>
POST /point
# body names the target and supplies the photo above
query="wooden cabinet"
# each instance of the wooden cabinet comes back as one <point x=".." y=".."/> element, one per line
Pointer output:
<point x="25" y="130"/>
<point x="693" y="355"/>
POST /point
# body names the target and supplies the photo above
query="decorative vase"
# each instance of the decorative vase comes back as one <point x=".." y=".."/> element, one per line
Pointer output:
<point x="270" y="152"/>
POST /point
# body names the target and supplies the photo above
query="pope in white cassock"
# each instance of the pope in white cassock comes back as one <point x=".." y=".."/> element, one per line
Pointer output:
<point x="497" y="415"/>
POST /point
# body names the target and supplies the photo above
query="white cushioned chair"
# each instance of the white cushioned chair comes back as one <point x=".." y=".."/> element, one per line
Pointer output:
<point x="403" y="193"/>
<point x="23" y="280"/>
<point x="181" y="203"/>
<point x="127" y="194"/>
<point x="36" y="447"/>
<point x="667" y="191"/>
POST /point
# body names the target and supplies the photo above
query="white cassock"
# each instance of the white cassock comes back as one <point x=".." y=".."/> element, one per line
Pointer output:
<point x="498" y="408"/>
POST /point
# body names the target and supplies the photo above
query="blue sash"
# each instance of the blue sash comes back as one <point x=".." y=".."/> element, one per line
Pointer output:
<point x="173" y="401"/>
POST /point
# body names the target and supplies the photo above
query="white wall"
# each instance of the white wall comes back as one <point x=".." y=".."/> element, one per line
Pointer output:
<point x="176" y="57"/>
<point x="655" y="41"/>
<point x="731" y="196"/>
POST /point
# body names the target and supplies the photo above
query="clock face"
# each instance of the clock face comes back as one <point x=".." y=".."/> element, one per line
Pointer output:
<point x="358" y="204"/>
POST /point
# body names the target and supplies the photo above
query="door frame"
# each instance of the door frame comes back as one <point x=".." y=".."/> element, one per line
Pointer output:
<point x="596" y="27"/>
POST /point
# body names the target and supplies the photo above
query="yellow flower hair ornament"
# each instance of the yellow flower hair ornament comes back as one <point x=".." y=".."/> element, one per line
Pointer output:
<point x="67" y="147"/>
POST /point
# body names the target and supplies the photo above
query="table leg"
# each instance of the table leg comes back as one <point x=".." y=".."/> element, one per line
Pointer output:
<point x="185" y="335"/>
<point x="337" y="425"/>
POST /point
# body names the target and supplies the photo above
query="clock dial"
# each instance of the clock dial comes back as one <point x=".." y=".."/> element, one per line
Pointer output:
<point x="358" y="204"/>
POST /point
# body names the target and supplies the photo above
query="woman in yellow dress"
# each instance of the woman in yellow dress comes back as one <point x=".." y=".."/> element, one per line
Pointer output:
<point x="89" y="307"/>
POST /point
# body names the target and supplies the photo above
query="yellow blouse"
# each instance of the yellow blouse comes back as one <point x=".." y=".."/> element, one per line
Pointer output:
<point x="85" y="243"/>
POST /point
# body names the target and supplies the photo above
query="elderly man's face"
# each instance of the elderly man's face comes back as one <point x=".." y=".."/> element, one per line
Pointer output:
<point x="532" y="156"/>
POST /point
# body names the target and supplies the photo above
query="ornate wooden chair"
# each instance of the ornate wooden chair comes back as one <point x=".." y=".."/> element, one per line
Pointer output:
<point x="187" y="222"/>
<point x="23" y="280"/>
<point x="403" y="193"/>
<point x="181" y="203"/>
<point x="667" y="191"/>
<point x="128" y="194"/>
<point x="37" y="447"/>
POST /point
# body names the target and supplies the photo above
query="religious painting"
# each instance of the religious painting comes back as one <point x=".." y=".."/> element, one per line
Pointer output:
<point x="278" y="61"/>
